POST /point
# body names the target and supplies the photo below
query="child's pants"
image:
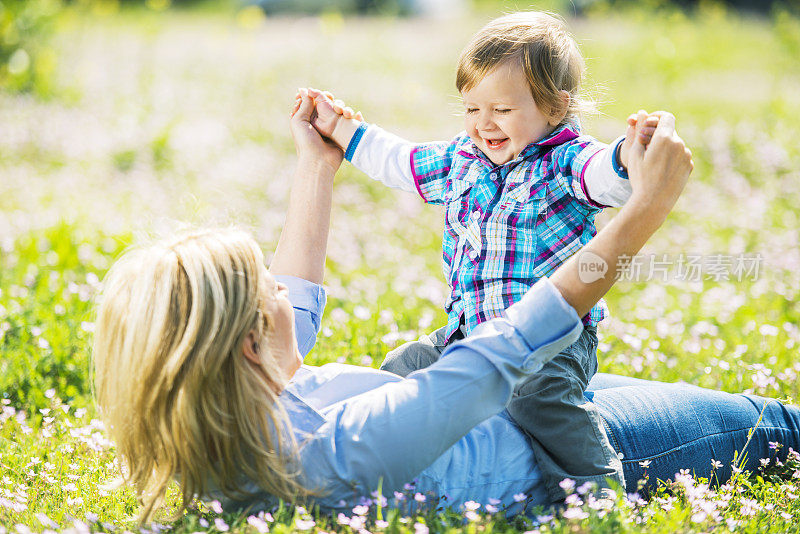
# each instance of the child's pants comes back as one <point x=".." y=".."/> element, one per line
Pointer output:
<point x="567" y="433"/>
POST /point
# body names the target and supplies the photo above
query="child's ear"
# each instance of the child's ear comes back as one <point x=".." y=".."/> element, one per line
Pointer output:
<point x="559" y="114"/>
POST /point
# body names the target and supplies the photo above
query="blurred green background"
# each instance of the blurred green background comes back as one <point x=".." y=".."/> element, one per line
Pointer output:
<point x="128" y="118"/>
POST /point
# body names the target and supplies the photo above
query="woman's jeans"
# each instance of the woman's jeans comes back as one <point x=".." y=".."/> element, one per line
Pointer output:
<point x="661" y="428"/>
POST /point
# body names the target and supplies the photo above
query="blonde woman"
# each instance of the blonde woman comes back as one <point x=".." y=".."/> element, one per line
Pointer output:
<point x="198" y="354"/>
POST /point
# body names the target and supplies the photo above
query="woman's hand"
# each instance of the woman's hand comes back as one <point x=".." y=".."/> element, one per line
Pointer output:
<point x="311" y="147"/>
<point x="658" y="173"/>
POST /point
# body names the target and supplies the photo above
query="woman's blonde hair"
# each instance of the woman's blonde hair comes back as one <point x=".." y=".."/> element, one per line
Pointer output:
<point x="175" y="391"/>
<point x="541" y="45"/>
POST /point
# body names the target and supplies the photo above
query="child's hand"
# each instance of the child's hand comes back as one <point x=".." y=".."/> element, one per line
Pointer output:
<point x="332" y="119"/>
<point x="328" y="112"/>
<point x="645" y="134"/>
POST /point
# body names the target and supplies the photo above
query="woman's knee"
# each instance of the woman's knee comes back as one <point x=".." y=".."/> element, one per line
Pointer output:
<point x="410" y="357"/>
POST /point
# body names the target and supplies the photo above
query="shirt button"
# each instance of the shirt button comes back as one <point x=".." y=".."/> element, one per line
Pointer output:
<point x="493" y="175"/>
<point x="473" y="254"/>
<point x="475" y="215"/>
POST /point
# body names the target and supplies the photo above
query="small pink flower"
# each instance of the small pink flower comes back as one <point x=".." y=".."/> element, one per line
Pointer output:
<point x="472" y="505"/>
<point x="304" y="524"/>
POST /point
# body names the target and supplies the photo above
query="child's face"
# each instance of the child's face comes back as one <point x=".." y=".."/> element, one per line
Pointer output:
<point x="501" y="116"/>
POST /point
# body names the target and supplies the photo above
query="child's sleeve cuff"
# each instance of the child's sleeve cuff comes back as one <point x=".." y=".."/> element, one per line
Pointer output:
<point x="351" y="147"/>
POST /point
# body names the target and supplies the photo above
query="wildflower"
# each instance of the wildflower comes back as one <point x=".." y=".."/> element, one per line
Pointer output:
<point x="92" y="518"/>
<point x="519" y="497"/>
<point x="221" y="525"/>
<point x="357" y="522"/>
<point x="50" y="393"/>
<point x="699" y="517"/>
<point x="408" y="487"/>
<point x="304" y="524"/>
<point x="749" y="507"/>
<point x="786" y="515"/>
<point x="23" y="529"/>
<point x="361" y="510"/>
<point x="567" y="484"/>
<point x="494" y="502"/>
<point x="300" y="510"/>
<point x="575" y="513"/>
<point x="420" y="528"/>
<point x="381" y="523"/>
<point x="472" y="505"/>
<point x="471" y="515"/>
<point x="259" y="524"/>
<point x="492" y="509"/>
<point x="585" y="488"/>
<point x="399" y="496"/>
<point x="46" y="521"/>
<point x="544" y="518"/>
<point x="573" y="500"/>
<point x="764" y="462"/>
<point x="774" y="445"/>
<point x="715" y="464"/>
<point x="216" y="507"/>
<point x="342" y="519"/>
<point x="419" y="497"/>
<point x="203" y="522"/>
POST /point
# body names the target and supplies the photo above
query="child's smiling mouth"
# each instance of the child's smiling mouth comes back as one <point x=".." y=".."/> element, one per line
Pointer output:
<point x="496" y="144"/>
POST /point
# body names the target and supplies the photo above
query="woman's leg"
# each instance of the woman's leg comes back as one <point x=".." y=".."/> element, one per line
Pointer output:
<point x="605" y="381"/>
<point x="662" y="428"/>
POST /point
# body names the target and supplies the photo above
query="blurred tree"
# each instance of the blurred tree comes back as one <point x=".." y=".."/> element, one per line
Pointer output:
<point x="26" y="60"/>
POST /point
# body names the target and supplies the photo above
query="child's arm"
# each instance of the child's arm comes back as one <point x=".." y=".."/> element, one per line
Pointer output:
<point x="604" y="177"/>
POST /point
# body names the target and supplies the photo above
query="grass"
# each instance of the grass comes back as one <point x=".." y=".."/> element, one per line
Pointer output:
<point x="183" y="117"/>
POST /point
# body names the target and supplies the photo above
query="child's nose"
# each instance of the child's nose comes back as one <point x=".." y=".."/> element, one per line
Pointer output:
<point x="485" y="121"/>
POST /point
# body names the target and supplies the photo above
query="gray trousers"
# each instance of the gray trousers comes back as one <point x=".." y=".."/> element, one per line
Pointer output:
<point x="567" y="434"/>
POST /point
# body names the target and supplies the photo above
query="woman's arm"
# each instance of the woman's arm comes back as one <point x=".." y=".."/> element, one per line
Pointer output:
<point x="304" y="239"/>
<point x="657" y="177"/>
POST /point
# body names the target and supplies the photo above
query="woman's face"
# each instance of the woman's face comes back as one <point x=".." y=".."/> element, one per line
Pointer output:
<point x="280" y="326"/>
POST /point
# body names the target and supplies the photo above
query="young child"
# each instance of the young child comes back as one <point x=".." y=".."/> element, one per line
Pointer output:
<point x="521" y="187"/>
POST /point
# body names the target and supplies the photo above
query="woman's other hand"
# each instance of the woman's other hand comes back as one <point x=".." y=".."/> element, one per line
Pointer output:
<point x="311" y="147"/>
<point x="659" y="173"/>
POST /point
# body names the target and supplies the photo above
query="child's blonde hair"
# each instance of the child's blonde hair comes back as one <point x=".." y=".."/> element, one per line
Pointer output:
<point x="177" y="395"/>
<point x="541" y="45"/>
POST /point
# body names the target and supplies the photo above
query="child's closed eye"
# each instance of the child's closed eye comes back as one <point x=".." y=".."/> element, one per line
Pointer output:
<point x="471" y="110"/>
<point x="502" y="111"/>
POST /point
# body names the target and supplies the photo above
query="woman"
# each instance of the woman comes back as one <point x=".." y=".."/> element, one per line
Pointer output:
<point x="198" y="353"/>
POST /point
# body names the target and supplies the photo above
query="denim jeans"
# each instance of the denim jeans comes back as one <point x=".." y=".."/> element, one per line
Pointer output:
<point x="679" y="426"/>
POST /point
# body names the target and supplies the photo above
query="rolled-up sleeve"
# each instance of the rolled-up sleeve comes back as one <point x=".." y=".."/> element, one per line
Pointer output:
<point x="390" y="434"/>
<point x="308" y="300"/>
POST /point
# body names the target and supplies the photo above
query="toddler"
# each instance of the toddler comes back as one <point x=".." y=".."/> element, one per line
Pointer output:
<point x="521" y="187"/>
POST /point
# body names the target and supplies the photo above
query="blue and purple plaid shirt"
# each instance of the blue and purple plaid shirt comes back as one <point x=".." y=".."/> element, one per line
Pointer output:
<point x="506" y="226"/>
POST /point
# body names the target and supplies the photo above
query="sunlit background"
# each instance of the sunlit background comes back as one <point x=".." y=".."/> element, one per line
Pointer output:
<point x="135" y="117"/>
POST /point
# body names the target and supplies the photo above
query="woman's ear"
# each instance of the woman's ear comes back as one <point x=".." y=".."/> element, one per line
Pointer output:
<point x="559" y="114"/>
<point x="250" y="348"/>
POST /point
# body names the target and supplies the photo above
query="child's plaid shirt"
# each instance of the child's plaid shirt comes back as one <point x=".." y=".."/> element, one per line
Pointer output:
<point x="506" y="226"/>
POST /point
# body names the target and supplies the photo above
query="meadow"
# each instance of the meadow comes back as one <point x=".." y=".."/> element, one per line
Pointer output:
<point x="159" y="120"/>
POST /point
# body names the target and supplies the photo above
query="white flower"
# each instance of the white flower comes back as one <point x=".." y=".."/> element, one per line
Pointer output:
<point x="472" y="505"/>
